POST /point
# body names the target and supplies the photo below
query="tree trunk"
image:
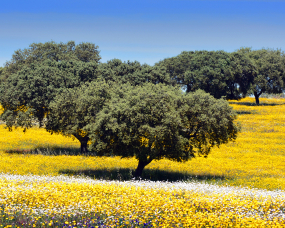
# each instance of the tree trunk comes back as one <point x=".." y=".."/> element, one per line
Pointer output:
<point x="83" y="146"/>
<point x="139" y="170"/>
<point x="83" y="143"/>
<point x="256" y="95"/>
<point x="188" y="88"/>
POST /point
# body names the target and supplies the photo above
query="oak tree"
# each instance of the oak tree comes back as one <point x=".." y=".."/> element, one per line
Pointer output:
<point x="216" y="72"/>
<point x="73" y="109"/>
<point x="26" y="94"/>
<point x="270" y="71"/>
<point x="156" y="121"/>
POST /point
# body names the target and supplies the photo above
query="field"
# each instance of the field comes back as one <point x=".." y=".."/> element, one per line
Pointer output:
<point x="45" y="183"/>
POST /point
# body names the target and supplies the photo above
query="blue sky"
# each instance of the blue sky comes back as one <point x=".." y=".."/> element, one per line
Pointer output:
<point x="143" y="30"/>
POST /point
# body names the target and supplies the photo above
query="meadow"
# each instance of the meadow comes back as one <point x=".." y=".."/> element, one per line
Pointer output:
<point x="45" y="182"/>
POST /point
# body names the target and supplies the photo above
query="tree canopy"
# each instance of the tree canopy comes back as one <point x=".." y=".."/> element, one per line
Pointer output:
<point x="216" y="72"/>
<point x="26" y="94"/>
<point x="133" y="72"/>
<point x="73" y="109"/>
<point x="1" y="73"/>
<point x="270" y="71"/>
<point x="159" y="121"/>
<point x="39" y="52"/>
<point x="35" y="75"/>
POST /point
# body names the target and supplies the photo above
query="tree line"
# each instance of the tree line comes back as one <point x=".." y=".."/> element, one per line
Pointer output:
<point x="131" y="109"/>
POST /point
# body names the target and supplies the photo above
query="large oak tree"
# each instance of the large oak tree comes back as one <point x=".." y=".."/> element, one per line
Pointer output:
<point x="152" y="122"/>
<point x="35" y="75"/>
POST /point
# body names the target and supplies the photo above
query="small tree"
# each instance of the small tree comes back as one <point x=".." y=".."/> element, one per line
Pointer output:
<point x="152" y="122"/>
<point x="73" y="109"/>
<point x="270" y="71"/>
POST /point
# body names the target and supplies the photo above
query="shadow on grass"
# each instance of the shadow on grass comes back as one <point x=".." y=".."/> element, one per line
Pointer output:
<point x="254" y="104"/>
<point x="55" y="151"/>
<point x="123" y="174"/>
<point x="120" y="174"/>
<point x="244" y="112"/>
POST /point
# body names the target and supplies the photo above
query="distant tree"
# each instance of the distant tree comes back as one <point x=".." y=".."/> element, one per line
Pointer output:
<point x="270" y="68"/>
<point x="216" y="72"/>
<point x="26" y="94"/>
<point x="73" y="109"/>
<point x="152" y="122"/>
<point x="242" y="71"/>
<point x="133" y="72"/>
<point x="39" y="52"/>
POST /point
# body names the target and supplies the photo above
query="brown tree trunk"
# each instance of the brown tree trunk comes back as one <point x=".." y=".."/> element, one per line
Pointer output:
<point x="188" y="88"/>
<point x="139" y="170"/>
<point x="83" y="143"/>
<point x="83" y="146"/>
<point x="256" y="95"/>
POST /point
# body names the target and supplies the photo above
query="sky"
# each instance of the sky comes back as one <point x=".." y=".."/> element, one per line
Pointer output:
<point x="147" y="31"/>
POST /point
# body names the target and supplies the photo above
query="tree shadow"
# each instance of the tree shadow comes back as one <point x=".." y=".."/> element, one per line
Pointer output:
<point x="244" y="112"/>
<point x="55" y="151"/>
<point x="120" y="174"/>
<point x="124" y="174"/>
<point x="254" y="104"/>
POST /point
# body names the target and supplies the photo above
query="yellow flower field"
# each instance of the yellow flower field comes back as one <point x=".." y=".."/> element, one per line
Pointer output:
<point x="138" y="202"/>
<point x="240" y="184"/>
<point x="255" y="160"/>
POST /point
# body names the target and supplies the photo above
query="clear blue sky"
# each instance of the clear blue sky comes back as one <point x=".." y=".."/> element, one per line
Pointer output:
<point x="143" y="30"/>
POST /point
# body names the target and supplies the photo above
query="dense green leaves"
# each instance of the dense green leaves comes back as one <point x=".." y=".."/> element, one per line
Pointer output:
<point x="270" y="71"/>
<point x="1" y="73"/>
<point x="73" y="109"/>
<point x="216" y="72"/>
<point x="29" y="92"/>
<point x="39" y="52"/>
<point x="133" y="72"/>
<point x="158" y="121"/>
<point x="35" y="75"/>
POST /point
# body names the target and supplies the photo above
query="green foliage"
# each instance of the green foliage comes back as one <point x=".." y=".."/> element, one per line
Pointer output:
<point x="133" y="72"/>
<point x="35" y="75"/>
<point x="39" y="52"/>
<point x="26" y="95"/>
<point x="270" y="68"/>
<point x="73" y="109"/>
<point x="158" y="121"/>
<point x="216" y="72"/>
<point x="1" y="73"/>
